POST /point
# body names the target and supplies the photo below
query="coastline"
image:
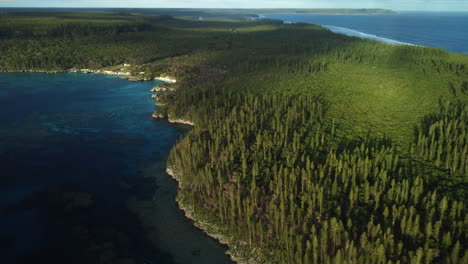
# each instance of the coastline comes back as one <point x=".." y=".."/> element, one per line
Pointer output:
<point x="180" y="121"/>
<point x="189" y="213"/>
<point x="166" y="79"/>
<point x="123" y="74"/>
<point x="207" y="228"/>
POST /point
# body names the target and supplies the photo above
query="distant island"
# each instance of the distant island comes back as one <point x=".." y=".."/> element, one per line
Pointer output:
<point x="222" y="13"/>
<point x="342" y="11"/>
<point x="312" y="11"/>
<point x="254" y="12"/>
<point x="281" y="10"/>
<point x="210" y="13"/>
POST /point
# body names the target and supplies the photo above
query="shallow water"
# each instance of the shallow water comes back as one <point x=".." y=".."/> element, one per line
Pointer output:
<point x="447" y="30"/>
<point x="83" y="175"/>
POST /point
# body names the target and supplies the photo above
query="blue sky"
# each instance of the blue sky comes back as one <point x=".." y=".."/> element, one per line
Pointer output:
<point x="434" y="5"/>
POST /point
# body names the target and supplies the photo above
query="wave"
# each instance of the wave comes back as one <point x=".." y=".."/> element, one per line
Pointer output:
<point x="355" y="33"/>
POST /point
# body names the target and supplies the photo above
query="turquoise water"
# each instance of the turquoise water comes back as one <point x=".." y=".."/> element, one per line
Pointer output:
<point x="83" y="175"/>
<point x="447" y="30"/>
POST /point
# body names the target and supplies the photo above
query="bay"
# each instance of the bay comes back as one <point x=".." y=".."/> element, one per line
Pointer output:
<point x="83" y="175"/>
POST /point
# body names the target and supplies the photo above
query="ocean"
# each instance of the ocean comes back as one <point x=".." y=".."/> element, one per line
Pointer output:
<point x="83" y="175"/>
<point x="447" y="30"/>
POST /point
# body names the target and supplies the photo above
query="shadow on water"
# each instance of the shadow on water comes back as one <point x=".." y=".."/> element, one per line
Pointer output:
<point x="83" y="175"/>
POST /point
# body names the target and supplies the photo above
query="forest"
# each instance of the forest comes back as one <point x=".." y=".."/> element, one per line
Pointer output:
<point x="308" y="146"/>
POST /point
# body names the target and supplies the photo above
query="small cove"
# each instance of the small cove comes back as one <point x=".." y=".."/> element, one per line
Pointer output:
<point x="83" y="175"/>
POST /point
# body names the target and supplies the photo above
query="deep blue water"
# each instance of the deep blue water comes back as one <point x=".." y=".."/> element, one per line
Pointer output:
<point x="447" y="30"/>
<point x="82" y="167"/>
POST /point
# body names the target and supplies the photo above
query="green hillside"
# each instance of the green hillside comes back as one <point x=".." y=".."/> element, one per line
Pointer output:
<point x="308" y="146"/>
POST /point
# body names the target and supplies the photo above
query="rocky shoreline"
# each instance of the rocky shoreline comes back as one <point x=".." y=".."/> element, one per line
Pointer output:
<point x="209" y="229"/>
<point x="124" y="74"/>
<point x="105" y="72"/>
<point x="166" y="79"/>
<point x="180" y="121"/>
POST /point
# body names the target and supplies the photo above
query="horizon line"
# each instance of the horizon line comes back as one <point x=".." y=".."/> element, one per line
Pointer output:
<point x="230" y="8"/>
<point x="227" y="8"/>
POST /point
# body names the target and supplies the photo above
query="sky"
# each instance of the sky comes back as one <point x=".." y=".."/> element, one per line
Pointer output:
<point x="423" y="5"/>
